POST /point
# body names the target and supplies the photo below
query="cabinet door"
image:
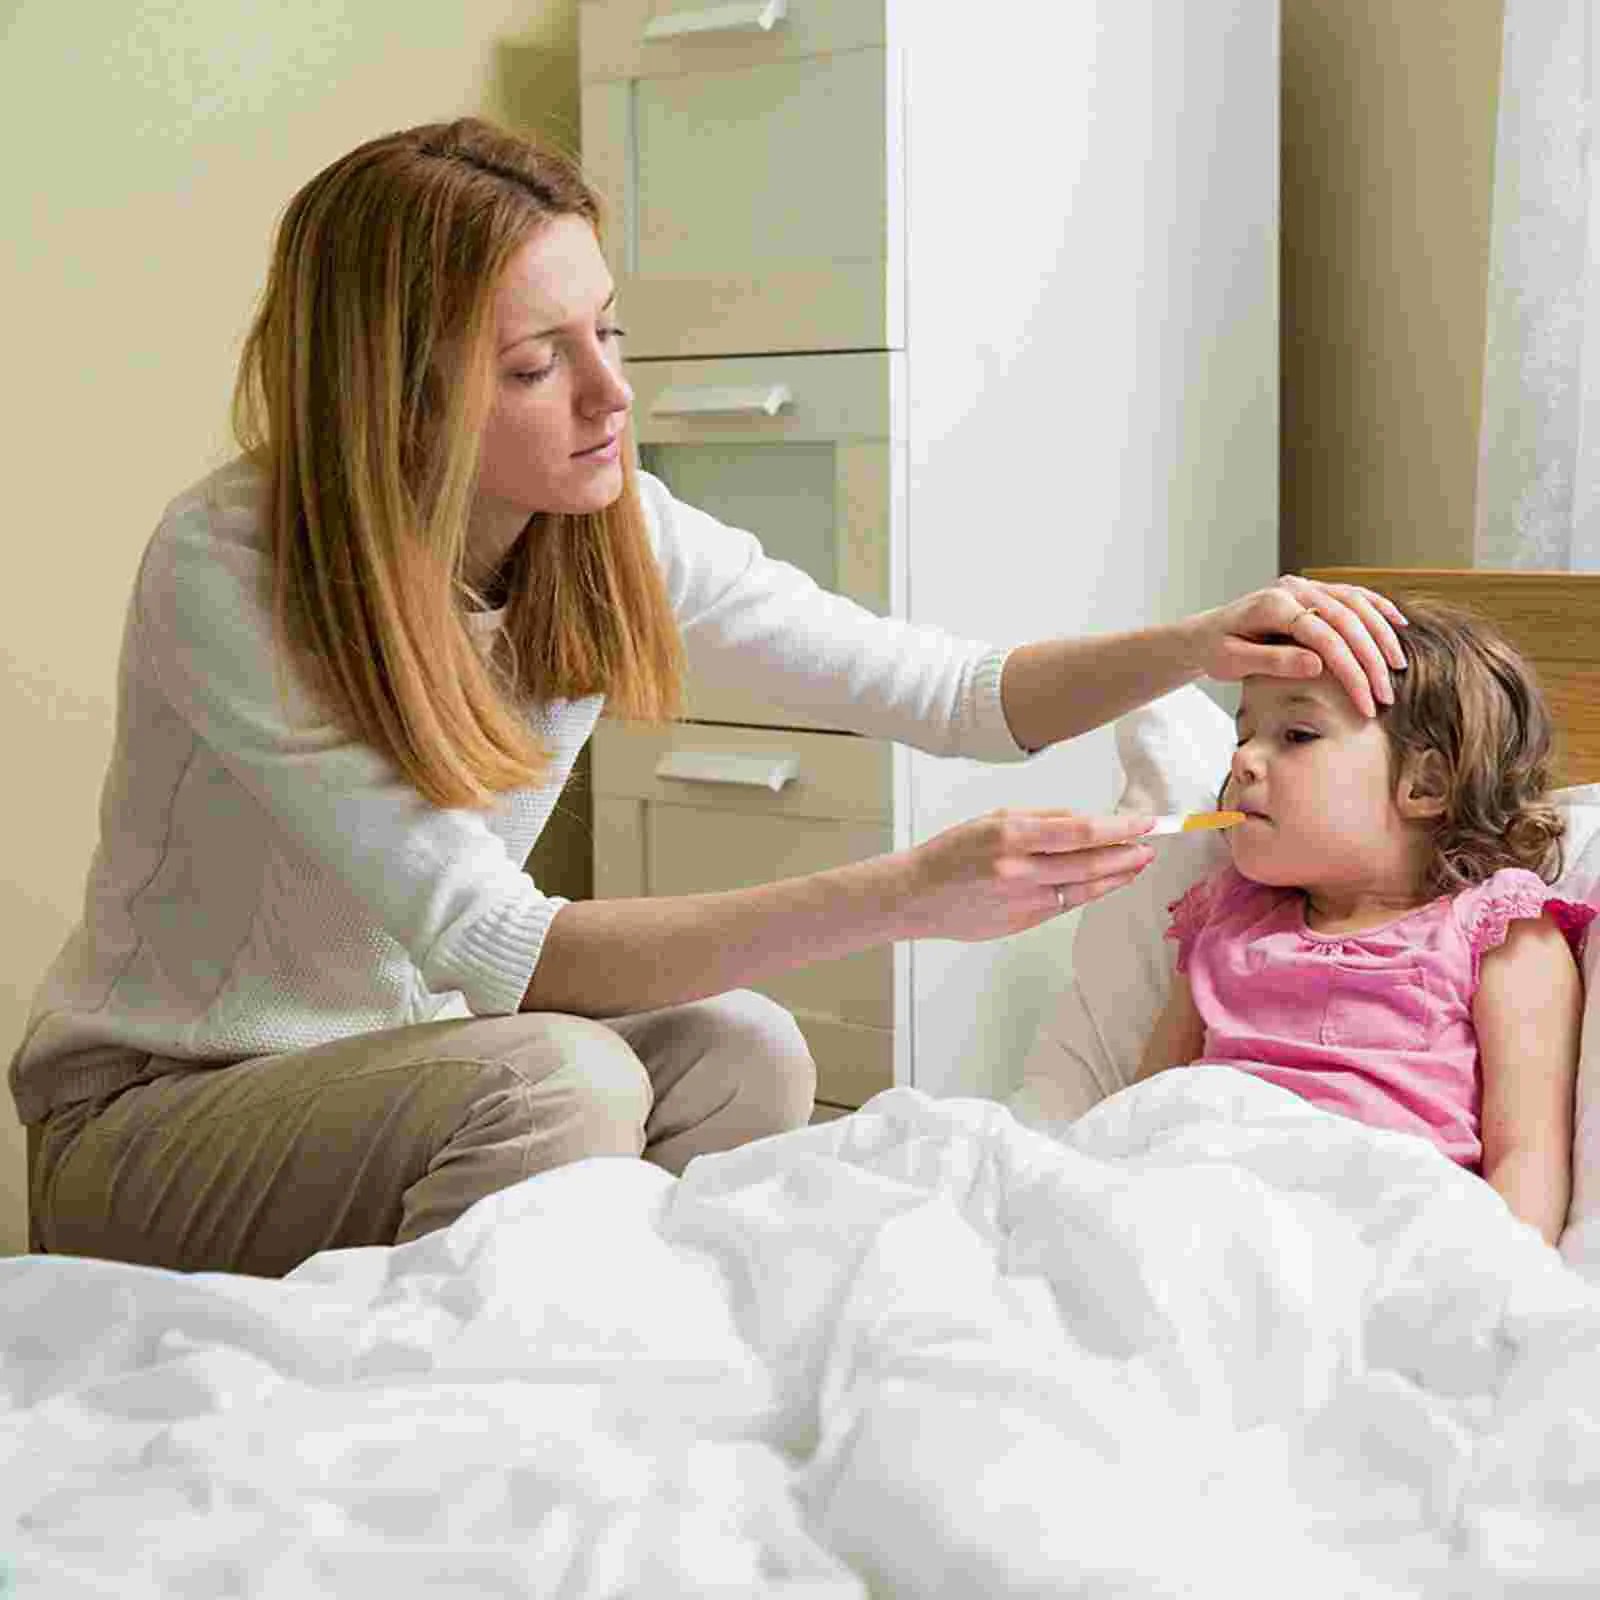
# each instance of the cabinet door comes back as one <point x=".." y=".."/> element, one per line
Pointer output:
<point x="660" y="834"/>
<point x="806" y="453"/>
<point x="750" y="175"/>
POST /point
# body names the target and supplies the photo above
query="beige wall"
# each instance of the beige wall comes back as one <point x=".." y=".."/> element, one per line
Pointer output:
<point x="149" y="151"/>
<point x="1388" y="170"/>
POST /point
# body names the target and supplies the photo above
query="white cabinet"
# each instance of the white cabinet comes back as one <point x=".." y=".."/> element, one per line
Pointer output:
<point x="1013" y="270"/>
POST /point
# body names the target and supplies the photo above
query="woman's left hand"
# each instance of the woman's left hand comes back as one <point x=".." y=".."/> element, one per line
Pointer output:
<point x="1347" y="629"/>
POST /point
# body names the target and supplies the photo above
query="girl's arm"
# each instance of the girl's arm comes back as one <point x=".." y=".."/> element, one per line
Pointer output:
<point x="1528" y="1011"/>
<point x="1179" y="1035"/>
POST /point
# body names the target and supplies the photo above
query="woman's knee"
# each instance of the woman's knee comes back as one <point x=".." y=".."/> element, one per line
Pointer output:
<point x="574" y="1073"/>
<point x="558" y="1090"/>
<point x="769" y="1064"/>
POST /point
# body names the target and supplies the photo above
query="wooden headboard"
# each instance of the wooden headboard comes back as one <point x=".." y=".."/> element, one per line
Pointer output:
<point x="1553" y="618"/>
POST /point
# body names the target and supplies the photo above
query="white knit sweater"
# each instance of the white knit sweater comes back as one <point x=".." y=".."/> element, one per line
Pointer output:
<point x="266" y="883"/>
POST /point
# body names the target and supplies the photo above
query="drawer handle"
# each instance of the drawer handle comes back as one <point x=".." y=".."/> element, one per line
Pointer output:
<point x="766" y="399"/>
<point x="717" y="766"/>
<point x="750" y="16"/>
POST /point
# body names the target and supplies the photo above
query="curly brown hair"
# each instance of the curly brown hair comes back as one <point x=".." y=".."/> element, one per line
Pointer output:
<point x="1468" y="695"/>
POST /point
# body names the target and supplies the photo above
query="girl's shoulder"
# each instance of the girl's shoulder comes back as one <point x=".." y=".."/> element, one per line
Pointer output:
<point x="1485" y="911"/>
<point x="1211" y="903"/>
<point x="1215" y="895"/>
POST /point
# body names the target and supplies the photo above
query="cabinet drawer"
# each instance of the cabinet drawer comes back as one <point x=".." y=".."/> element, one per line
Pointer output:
<point x="807" y="453"/>
<point x="655" y="835"/>
<point x="635" y="38"/>
<point x="695" y="851"/>
<point x="752" y="188"/>
<point x="834" y="775"/>
<point x="844" y="1007"/>
<point x="799" y="399"/>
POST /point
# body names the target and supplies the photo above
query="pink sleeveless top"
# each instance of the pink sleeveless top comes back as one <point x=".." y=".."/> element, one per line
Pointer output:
<point x="1376" y="1025"/>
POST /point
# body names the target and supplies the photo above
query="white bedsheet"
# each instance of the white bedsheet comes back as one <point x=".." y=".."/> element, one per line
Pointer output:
<point x="1207" y="1341"/>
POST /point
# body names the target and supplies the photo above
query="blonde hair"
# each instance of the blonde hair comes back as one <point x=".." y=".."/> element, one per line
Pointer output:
<point x="1468" y="696"/>
<point x="364" y="385"/>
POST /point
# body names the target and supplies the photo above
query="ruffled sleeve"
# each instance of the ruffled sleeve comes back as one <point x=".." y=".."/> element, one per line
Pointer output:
<point x="1488" y="910"/>
<point x="1193" y="909"/>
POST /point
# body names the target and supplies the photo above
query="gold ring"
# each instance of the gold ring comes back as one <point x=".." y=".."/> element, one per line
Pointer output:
<point x="1304" y="611"/>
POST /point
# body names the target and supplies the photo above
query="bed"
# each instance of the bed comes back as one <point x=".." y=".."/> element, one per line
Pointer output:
<point x="1191" y="1337"/>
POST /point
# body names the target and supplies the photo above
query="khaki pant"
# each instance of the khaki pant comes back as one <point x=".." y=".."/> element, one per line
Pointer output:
<point x="385" y="1137"/>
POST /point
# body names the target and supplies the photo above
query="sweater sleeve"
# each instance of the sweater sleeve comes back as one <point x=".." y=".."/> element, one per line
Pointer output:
<point x="800" y="646"/>
<point x="438" y="881"/>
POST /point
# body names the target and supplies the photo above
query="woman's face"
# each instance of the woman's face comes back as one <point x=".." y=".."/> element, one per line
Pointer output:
<point x="553" y="438"/>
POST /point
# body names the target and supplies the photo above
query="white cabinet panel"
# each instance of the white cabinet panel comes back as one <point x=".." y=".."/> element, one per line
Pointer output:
<point x="721" y="156"/>
<point x="694" y="850"/>
<point x="770" y="198"/>
<point x="818" y="479"/>
<point x="615" y="36"/>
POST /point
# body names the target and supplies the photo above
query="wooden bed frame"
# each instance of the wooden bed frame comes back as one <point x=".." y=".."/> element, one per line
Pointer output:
<point x="1552" y="617"/>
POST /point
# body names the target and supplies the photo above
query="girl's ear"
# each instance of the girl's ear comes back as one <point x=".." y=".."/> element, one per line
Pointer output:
<point x="1424" y="787"/>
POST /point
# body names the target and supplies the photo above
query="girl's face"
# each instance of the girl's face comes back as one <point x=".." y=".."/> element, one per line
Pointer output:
<point x="553" y="438"/>
<point x="1312" y="776"/>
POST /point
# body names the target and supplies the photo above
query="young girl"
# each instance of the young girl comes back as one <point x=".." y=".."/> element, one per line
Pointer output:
<point x="1385" y="942"/>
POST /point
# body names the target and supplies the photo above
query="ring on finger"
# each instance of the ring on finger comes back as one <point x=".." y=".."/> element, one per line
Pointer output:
<point x="1061" y="897"/>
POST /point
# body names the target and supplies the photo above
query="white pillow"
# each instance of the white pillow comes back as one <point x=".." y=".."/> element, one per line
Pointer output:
<point x="1174" y="754"/>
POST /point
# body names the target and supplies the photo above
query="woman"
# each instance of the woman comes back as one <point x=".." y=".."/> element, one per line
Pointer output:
<point x="314" y="1000"/>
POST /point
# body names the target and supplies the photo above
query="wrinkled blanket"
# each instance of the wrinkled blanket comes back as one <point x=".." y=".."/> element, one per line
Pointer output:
<point x="1206" y="1341"/>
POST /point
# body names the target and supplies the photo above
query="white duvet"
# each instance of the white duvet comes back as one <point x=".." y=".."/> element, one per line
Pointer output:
<point x="1207" y="1341"/>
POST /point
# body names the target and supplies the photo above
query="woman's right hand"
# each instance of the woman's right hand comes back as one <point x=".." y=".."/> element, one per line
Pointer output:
<point x="1011" y="870"/>
<point x="983" y="879"/>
